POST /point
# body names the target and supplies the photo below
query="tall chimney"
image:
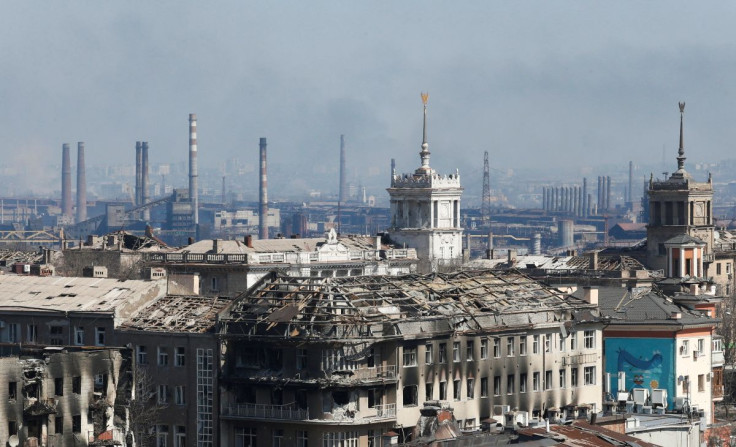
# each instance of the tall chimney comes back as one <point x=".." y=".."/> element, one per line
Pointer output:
<point x="144" y="180"/>
<point x="66" y="181"/>
<point x="608" y="193"/>
<point x="631" y="184"/>
<point x="194" y="199"/>
<point x="263" y="213"/>
<point x="343" y="179"/>
<point x="600" y="193"/>
<point x="138" y="171"/>
<point x="81" y="184"/>
<point x="586" y="205"/>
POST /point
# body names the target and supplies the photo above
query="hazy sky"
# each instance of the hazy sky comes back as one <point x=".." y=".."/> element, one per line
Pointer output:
<point x="538" y="84"/>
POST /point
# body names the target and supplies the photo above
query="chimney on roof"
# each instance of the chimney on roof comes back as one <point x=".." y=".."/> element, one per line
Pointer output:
<point x="694" y="289"/>
<point x="676" y="315"/>
<point x="216" y="245"/>
<point x="593" y="264"/>
<point x="590" y="295"/>
<point x="248" y="241"/>
<point x="512" y="256"/>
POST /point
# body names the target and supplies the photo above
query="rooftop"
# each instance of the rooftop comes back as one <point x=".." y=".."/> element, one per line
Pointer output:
<point x="360" y="306"/>
<point x="645" y="305"/>
<point x="65" y="294"/>
<point x="192" y="314"/>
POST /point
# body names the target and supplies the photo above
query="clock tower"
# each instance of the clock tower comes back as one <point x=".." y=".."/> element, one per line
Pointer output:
<point x="425" y="211"/>
<point x="679" y="206"/>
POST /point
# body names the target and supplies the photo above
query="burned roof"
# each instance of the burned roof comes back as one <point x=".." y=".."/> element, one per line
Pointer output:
<point x="612" y="262"/>
<point x="581" y="434"/>
<point x="192" y="314"/>
<point x="381" y="306"/>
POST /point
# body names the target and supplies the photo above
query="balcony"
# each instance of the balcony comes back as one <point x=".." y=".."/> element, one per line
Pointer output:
<point x="709" y="257"/>
<point x="717" y="391"/>
<point x="262" y="411"/>
<point x="381" y="372"/>
<point x="579" y="359"/>
<point x="717" y="359"/>
<point x="367" y="416"/>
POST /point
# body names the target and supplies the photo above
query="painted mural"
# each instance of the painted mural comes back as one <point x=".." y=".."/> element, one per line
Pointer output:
<point x="647" y="362"/>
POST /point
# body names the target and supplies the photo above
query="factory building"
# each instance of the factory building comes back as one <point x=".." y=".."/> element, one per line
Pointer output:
<point x="425" y="212"/>
<point x="340" y="361"/>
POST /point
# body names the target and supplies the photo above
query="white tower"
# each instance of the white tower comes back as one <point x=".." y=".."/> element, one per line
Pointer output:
<point x="425" y="211"/>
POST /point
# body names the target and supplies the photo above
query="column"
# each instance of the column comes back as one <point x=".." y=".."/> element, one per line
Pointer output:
<point x="682" y="262"/>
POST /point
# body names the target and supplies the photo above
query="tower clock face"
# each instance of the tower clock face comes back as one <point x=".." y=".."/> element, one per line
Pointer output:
<point x="699" y="211"/>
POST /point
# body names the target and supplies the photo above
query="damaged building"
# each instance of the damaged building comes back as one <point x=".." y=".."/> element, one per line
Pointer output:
<point x="70" y="396"/>
<point x="340" y="361"/>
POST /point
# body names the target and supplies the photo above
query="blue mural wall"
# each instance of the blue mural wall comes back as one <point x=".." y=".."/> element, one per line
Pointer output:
<point x="647" y="362"/>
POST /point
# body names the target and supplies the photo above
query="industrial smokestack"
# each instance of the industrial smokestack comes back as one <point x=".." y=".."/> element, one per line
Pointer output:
<point x="343" y="180"/>
<point x="193" y="197"/>
<point x="66" y="181"/>
<point x="586" y="205"/>
<point x="600" y="193"/>
<point x="138" y="171"/>
<point x="144" y="180"/>
<point x="608" y="193"/>
<point x="631" y="185"/>
<point x="81" y="184"/>
<point x="263" y="213"/>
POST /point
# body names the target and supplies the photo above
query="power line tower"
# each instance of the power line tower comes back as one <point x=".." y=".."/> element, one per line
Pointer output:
<point x="486" y="205"/>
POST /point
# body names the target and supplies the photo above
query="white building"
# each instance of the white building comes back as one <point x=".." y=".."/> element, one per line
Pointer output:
<point x="425" y="211"/>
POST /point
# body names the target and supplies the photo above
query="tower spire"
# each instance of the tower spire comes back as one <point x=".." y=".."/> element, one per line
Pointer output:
<point x="681" y="151"/>
<point x="424" y="154"/>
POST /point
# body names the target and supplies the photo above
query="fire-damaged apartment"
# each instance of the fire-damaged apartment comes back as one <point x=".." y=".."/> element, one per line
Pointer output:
<point x="342" y="361"/>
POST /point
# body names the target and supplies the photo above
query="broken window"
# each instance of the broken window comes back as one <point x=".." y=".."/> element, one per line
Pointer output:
<point x="180" y="395"/>
<point x="371" y="358"/>
<point x="469" y="348"/>
<point x="300" y="397"/>
<point x="13" y="332"/>
<point x="574" y="376"/>
<point x="77" y="423"/>
<point x="162" y="435"/>
<point x="522" y="345"/>
<point x="484" y="348"/>
<point x="456" y="389"/>
<point x="100" y="336"/>
<point x="141" y="355"/>
<point x="429" y="391"/>
<point x="77" y="385"/>
<point x="101" y="384"/>
<point x="162" y="395"/>
<point x="410" y="395"/>
<point x="510" y="346"/>
<point x="12" y="390"/>
<point x="470" y="388"/>
<point x="410" y="356"/>
<point x="180" y="356"/>
<point x="510" y="387"/>
<point x="79" y="335"/>
<point x="428" y="354"/>
<point x="573" y="340"/>
<point x="32" y="334"/>
<point x="484" y="387"/>
<point x="548" y="380"/>
<point x="456" y="351"/>
<point x="277" y="396"/>
<point x="59" y="386"/>
<point x="443" y="352"/>
<point x="12" y="428"/>
<point x="496" y="347"/>
<point x="163" y="356"/>
<point x="56" y="335"/>
<point x="563" y="379"/>
<point x="443" y="390"/>
<point x="522" y="383"/>
<point x="58" y="424"/>
<point x="301" y="359"/>
<point x="497" y="385"/>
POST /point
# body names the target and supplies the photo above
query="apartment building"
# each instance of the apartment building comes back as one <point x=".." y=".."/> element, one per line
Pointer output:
<point x="340" y="361"/>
